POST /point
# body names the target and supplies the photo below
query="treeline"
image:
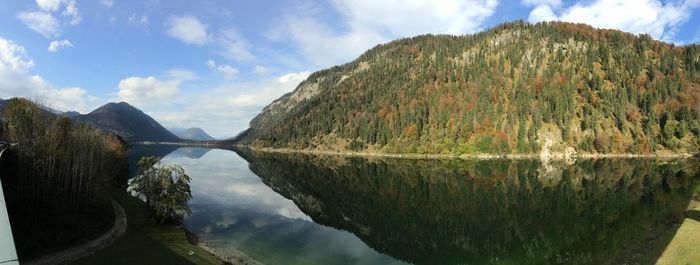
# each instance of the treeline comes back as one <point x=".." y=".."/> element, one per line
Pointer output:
<point x="506" y="90"/>
<point x="57" y="179"/>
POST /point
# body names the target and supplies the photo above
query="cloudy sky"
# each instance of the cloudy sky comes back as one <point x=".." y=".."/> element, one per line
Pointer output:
<point x="215" y="64"/>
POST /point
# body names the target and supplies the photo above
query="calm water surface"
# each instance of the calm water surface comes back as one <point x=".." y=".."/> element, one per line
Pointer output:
<point x="302" y="209"/>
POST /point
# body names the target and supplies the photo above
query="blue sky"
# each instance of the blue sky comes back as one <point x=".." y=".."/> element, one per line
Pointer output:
<point x="216" y="64"/>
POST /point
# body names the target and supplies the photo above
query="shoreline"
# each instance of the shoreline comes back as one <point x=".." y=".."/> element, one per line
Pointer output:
<point x="236" y="259"/>
<point x="551" y="156"/>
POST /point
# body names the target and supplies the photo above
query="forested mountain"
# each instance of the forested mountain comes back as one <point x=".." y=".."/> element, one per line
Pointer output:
<point x="516" y="88"/>
<point x="128" y="122"/>
<point x="196" y="134"/>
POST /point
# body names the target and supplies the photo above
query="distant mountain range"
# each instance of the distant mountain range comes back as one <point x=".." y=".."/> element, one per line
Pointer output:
<point x="128" y="122"/>
<point x="196" y="134"/>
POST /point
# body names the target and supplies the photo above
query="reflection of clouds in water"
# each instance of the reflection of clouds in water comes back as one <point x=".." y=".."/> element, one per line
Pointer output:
<point x="259" y="222"/>
<point x="243" y="189"/>
<point x="222" y="178"/>
<point x="234" y="210"/>
<point x="228" y="218"/>
<point x="292" y="214"/>
<point x="289" y="241"/>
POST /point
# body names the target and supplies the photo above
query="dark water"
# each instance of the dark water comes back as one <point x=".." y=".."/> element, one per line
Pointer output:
<point x="301" y="209"/>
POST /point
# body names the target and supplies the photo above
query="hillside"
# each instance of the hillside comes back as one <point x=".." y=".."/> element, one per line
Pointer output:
<point x="517" y="88"/>
<point x="71" y="114"/>
<point x="196" y="134"/>
<point x="128" y="122"/>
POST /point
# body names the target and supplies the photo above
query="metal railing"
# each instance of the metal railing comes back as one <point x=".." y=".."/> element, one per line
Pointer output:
<point x="4" y="146"/>
<point x="8" y="254"/>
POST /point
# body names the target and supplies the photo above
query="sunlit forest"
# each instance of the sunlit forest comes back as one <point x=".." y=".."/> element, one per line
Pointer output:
<point x="517" y="88"/>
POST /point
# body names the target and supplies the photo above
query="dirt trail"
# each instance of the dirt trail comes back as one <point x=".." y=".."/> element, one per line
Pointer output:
<point x="90" y="247"/>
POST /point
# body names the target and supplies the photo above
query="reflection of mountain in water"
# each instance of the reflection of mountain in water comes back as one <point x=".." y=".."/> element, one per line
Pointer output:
<point x="137" y="151"/>
<point x="190" y="152"/>
<point x="476" y="212"/>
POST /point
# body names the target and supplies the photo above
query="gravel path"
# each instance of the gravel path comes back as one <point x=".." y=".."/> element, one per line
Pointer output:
<point x="90" y="247"/>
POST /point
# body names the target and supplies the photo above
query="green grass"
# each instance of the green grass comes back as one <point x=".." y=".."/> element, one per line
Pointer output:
<point x="678" y="247"/>
<point x="146" y="243"/>
<point x="685" y="246"/>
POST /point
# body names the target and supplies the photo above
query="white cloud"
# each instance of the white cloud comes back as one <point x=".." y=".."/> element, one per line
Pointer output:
<point x="16" y="81"/>
<point x="234" y="46"/>
<point x="181" y="75"/>
<point x="187" y="29"/>
<point x="542" y="13"/>
<point x="320" y="45"/>
<point x="41" y="22"/>
<point x="107" y="3"/>
<point x="49" y="5"/>
<point x="542" y="2"/>
<point x="292" y="80"/>
<point x="72" y="12"/>
<point x="45" y="23"/>
<point x="145" y="91"/>
<point x="14" y="56"/>
<point x="227" y="110"/>
<point x="407" y="18"/>
<point x="261" y="70"/>
<point x="269" y="90"/>
<point x="228" y="71"/>
<point x="190" y="30"/>
<point x="138" y="20"/>
<point x="658" y="19"/>
<point x="56" y="45"/>
<point x="370" y="22"/>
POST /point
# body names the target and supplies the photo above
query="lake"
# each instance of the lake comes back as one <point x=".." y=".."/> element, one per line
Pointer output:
<point x="305" y="209"/>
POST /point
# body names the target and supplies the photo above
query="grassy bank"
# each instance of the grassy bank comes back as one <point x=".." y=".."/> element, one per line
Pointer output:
<point x="679" y="246"/>
<point x="146" y="243"/>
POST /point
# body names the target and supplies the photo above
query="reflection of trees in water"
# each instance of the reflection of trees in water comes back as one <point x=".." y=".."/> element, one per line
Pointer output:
<point x="496" y="211"/>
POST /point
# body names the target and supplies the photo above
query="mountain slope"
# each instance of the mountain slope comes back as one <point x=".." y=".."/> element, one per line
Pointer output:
<point x="128" y="122"/>
<point x="517" y="88"/>
<point x="196" y="134"/>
